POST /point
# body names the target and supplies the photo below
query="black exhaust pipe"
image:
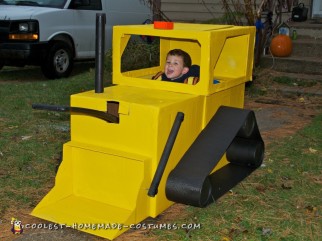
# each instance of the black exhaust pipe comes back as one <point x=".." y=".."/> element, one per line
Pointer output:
<point x="100" y="52"/>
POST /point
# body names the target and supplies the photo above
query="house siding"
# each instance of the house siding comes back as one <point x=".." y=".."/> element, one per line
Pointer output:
<point x="192" y="10"/>
<point x="203" y="10"/>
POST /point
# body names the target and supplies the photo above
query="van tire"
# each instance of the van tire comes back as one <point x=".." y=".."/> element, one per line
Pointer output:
<point x="59" y="61"/>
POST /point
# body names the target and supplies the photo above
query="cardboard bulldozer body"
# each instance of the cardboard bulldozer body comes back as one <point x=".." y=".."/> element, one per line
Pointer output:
<point x="193" y="142"/>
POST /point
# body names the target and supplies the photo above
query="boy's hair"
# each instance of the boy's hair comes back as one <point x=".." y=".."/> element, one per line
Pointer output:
<point x="185" y="56"/>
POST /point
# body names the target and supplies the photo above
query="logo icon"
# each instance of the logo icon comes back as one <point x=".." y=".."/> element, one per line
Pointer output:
<point x="16" y="226"/>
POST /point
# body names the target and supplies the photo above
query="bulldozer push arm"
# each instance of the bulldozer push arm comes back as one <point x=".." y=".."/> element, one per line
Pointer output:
<point x="96" y="113"/>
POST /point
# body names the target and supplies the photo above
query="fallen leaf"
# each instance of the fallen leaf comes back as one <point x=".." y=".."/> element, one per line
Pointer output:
<point x="285" y="178"/>
<point x="313" y="150"/>
<point x="225" y="239"/>
<point x="24" y="138"/>
<point x="13" y="127"/>
<point x="312" y="211"/>
<point x="317" y="179"/>
<point x="266" y="231"/>
<point x="301" y="100"/>
<point x="3" y="173"/>
<point x="310" y="208"/>
<point x="261" y="188"/>
<point x="286" y="186"/>
<point x="232" y="231"/>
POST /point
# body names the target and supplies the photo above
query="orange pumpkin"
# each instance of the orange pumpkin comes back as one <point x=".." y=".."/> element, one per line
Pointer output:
<point x="281" y="45"/>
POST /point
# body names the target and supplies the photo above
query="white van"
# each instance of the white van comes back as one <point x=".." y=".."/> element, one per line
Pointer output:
<point x="55" y="33"/>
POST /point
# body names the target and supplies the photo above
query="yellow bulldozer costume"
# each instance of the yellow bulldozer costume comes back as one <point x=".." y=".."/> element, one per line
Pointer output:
<point x="205" y="139"/>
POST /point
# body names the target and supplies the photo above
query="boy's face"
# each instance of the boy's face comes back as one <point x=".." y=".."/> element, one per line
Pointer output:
<point x="174" y="67"/>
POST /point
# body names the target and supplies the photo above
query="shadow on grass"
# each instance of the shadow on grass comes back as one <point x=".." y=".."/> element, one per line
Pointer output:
<point x="33" y="73"/>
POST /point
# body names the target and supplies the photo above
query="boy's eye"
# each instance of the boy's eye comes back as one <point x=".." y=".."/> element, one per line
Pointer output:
<point x="172" y="63"/>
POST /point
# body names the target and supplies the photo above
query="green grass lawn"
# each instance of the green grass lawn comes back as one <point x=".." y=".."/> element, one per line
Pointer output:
<point x="282" y="200"/>
<point x="30" y="140"/>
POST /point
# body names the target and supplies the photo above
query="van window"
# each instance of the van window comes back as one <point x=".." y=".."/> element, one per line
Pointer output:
<point x="92" y="5"/>
<point x="35" y="3"/>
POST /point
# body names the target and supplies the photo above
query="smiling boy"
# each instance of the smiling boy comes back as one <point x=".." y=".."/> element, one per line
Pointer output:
<point x="177" y="64"/>
<point x="178" y="67"/>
